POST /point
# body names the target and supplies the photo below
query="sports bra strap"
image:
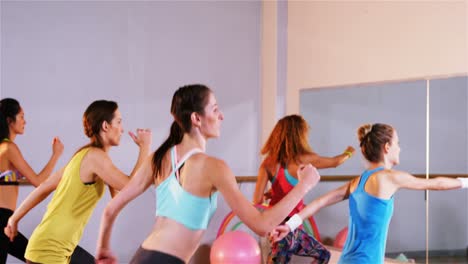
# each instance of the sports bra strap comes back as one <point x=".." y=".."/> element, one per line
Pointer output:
<point x="173" y="158"/>
<point x="176" y="165"/>
<point x="5" y="173"/>
<point x="278" y="167"/>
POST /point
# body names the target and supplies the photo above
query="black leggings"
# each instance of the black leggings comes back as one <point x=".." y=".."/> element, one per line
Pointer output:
<point x="17" y="248"/>
<point x="144" y="256"/>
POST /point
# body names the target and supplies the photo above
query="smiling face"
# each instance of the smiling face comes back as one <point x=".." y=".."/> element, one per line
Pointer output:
<point x="17" y="126"/>
<point x="211" y="119"/>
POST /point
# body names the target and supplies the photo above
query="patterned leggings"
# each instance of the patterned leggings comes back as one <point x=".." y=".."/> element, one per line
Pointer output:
<point x="298" y="243"/>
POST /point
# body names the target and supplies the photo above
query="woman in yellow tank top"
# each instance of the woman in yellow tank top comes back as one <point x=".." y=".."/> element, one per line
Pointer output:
<point x="79" y="186"/>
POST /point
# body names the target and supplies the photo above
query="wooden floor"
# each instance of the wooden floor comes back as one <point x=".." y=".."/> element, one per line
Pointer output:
<point x="445" y="260"/>
<point x="335" y="255"/>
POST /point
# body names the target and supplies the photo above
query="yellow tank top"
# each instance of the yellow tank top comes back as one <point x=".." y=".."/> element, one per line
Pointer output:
<point x="59" y="232"/>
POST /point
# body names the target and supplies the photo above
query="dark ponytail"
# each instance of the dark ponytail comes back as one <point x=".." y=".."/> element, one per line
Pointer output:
<point x="175" y="137"/>
<point x="186" y="100"/>
<point x="9" y="108"/>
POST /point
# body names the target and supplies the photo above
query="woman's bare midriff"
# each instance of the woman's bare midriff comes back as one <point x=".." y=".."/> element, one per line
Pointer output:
<point x="8" y="196"/>
<point x="173" y="238"/>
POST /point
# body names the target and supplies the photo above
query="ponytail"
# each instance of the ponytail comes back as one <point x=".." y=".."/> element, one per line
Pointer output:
<point x="4" y="129"/>
<point x="176" y="135"/>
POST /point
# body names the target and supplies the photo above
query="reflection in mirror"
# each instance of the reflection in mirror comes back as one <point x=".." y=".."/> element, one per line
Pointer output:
<point x="448" y="233"/>
<point x="334" y="115"/>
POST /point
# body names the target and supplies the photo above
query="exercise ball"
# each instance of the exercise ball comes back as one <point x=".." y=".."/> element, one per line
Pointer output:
<point x="235" y="247"/>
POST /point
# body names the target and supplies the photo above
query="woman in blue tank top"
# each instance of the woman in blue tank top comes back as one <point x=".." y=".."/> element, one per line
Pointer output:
<point x="371" y="196"/>
<point x="187" y="182"/>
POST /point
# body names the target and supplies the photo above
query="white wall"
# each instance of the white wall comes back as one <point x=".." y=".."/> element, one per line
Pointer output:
<point x="56" y="57"/>
<point x="338" y="43"/>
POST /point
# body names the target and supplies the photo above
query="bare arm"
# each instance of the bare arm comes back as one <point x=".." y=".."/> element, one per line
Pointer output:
<point x="260" y="222"/>
<point x="312" y="208"/>
<point x="321" y="162"/>
<point x="262" y="180"/>
<point x="137" y="185"/>
<point x="18" y="161"/>
<point x="33" y="199"/>
<point x="109" y="173"/>
<point x="330" y="198"/>
<point x="405" y="180"/>
<point x="113" y="192"/>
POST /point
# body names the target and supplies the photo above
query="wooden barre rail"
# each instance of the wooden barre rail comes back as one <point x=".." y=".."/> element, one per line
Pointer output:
<point x="342" y="178"/>
<point x="328" y="178"/>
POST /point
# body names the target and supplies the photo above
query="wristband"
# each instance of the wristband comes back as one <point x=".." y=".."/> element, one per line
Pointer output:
<point x="464" y="182"/>
<point x="294" y="222"/>
<point x="349" y="153"/>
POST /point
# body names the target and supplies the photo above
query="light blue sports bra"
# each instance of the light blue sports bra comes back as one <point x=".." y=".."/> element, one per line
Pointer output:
<point x="173" y="202"/>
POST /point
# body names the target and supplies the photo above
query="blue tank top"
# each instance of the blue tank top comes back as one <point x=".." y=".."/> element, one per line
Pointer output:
<point x="173" y="202"/>
<point x="368" y="225"/>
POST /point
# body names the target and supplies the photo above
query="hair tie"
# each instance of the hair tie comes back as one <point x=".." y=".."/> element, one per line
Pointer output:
<point x="364" y="138"/>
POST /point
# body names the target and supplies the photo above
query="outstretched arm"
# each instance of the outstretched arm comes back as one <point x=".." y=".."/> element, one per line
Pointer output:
<point x="23" y="167"/>
<point x="405" y="180"/>
<point x="321" y="162"/>
<point x="330" y="198"/>
<point x="260" y="222"/>
<point x="33" y="199"/>
<point x="137" y="185"/>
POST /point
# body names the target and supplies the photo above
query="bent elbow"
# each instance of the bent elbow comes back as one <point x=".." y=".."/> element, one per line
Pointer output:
<point x="35" y="183"/>
<point x="263" y="228"/>
<point x="261" y="232"/>
<point x="108" y="213"/>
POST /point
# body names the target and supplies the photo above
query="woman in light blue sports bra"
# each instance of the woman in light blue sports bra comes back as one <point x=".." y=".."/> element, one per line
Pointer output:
<point x="187" y="183"/>
<point x="371" y="196"/>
